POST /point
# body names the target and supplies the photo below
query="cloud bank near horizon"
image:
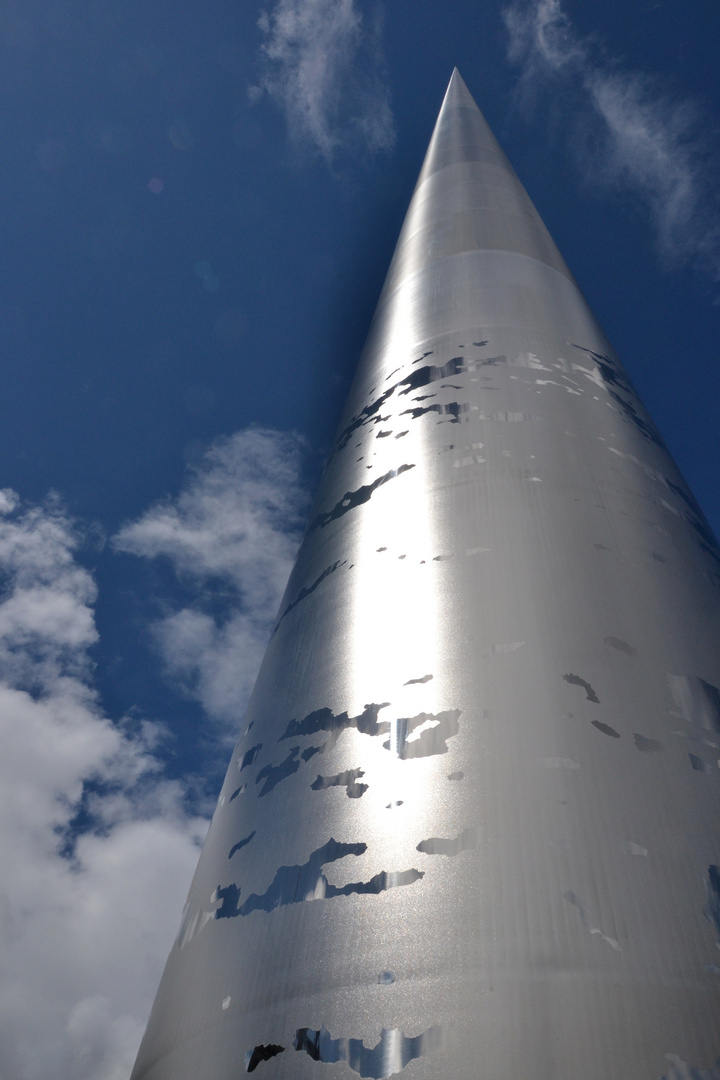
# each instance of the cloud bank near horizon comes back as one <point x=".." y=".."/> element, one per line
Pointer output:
<point x="87" y="912"/>
<point x="627" y="134"/>
<point x="98" y="845"/>
<point x="322" y="62"/>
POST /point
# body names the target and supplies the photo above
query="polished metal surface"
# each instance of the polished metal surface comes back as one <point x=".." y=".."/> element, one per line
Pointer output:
<point x="472" y="826"/>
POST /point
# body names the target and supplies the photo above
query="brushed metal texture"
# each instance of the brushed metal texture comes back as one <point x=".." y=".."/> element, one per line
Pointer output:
<point x="471" y="828"/>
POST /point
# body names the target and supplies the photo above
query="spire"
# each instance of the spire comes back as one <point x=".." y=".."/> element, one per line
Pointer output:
<point x="473" y="812"/>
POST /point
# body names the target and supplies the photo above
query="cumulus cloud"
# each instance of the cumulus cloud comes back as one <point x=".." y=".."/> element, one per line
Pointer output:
<point x="635" y="138"/>
<point x="323" y="64"/>
<point x="231" y="537"/>
<point x="96" y="846"/>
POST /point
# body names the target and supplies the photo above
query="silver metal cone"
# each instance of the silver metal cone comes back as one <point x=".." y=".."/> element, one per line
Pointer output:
<point x="472" y="826"/>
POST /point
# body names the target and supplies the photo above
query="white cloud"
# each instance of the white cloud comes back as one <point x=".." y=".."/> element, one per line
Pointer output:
<point x="323" y="64"/>
<point x="635" y="138"/>
<point x="231" y="537"/>
<point x="86" y="916"/>
<point x="541" y="36"/>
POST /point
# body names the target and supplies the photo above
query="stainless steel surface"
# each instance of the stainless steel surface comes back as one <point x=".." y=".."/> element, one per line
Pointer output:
<point x="472" y="825"/>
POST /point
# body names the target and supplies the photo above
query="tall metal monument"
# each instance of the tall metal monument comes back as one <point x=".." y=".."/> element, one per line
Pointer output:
<point x="472" y="826"/>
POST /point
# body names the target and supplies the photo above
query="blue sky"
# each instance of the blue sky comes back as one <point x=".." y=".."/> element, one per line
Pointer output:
<point x="198" y="203"/>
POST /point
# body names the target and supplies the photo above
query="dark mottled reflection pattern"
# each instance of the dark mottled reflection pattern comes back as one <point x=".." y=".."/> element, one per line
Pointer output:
<point x="472" y="825"/>
<point x="390" y="1056"/>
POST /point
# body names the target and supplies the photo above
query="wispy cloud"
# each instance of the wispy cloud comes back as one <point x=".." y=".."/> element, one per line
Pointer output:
<point x="231" y="536"/>
<point x="96" y="846"/>
<point x="323" y="63"/>
<point x="635" y="138"/>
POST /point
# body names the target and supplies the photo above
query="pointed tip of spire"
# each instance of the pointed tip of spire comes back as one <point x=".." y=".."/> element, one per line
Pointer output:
<point x="457" y="92"/>
<point x="459" y="131"/>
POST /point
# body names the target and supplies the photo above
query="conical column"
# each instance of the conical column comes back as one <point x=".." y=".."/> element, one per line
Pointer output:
<point x="472" y="826"/>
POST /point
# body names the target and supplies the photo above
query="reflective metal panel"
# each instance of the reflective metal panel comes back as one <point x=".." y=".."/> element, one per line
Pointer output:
<point x="471" y="827"/>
